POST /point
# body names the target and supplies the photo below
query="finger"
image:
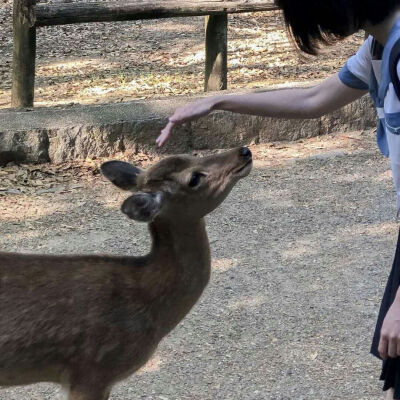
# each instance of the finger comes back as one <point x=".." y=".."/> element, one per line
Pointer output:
<point x="163" y="137"/>
<point x="392" y="347"/>
<point x="383" y="348"/>
<point x="160" y="140"/>
<point x="165" y="133"/>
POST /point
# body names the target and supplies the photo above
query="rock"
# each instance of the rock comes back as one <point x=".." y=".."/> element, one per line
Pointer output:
<point x="23" y="146"/>
<point x="85" y="141"/>
<point x="80" y="132"/>
<point x="13" y="191"/>
<point x="328" y="156"/>
<point x="49" y="190"/>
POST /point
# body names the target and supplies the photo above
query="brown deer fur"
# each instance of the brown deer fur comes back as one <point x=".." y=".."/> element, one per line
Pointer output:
<point x="87" y="322"/>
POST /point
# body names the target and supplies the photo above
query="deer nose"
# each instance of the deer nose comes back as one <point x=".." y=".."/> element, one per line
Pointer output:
<point x="245" y="152"/>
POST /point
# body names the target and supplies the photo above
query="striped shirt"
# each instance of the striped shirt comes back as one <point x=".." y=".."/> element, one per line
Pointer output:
<point x="369" y="70"/>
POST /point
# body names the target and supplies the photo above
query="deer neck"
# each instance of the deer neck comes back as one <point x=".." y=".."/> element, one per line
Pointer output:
<point x="181" y="256"/>
<point x="183" y="242"/>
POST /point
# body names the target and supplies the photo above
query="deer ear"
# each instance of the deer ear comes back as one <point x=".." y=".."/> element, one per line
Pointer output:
<point x="143" y="207"/>
<point x="121" y="174"/>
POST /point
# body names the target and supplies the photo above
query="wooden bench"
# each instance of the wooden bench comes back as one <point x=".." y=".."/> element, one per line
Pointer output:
<point x="28" y="16"/>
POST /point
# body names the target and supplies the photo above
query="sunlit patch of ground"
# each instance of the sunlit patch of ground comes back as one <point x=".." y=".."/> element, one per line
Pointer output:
<point x="112" y="62"/>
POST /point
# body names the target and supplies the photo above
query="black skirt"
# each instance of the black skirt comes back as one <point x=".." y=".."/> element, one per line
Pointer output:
<point x="390" y="367"/>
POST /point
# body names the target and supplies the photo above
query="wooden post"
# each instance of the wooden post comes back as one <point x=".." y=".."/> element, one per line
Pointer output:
<point x="24" y="53"/>
<point x="216" y="52"/>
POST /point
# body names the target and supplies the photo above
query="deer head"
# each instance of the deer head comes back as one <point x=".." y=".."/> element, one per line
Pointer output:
<point x="179" y="187"/>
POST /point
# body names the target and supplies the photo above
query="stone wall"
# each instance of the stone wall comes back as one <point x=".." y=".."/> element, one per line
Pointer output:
<point x="79" y="132"/>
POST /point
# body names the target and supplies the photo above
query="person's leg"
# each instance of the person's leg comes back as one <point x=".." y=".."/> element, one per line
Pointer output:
<point x="389" y="394"/>
<point x="390" y="367"/>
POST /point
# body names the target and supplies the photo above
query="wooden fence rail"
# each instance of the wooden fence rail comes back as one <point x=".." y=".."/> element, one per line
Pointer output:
<point x="27" y="16"/>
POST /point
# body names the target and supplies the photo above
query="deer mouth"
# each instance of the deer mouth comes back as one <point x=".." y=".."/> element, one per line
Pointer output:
<point x="244" y="169"/>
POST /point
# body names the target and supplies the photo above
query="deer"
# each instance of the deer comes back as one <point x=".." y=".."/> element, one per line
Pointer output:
<point x="87" y="322"/>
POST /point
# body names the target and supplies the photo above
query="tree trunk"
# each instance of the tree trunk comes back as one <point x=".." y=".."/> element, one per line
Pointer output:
<point x="24" y="53"/>
<point x="216" y="52"/>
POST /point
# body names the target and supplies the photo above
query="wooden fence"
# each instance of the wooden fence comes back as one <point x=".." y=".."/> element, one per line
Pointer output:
<point x="28" y="16"/>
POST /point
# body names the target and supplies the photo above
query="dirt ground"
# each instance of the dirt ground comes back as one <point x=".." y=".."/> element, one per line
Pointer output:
<point x="301" y="251"/>
<point x="104" y="62"/>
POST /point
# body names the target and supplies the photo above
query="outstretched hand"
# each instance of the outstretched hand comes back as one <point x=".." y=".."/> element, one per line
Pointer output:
<point x="187" y="113"/>
<point x="389" y="343"/>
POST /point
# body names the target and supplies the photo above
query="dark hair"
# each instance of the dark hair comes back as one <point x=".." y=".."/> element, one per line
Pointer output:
<point x="315" y="22"/>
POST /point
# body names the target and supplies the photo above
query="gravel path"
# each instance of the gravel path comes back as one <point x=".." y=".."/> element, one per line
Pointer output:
<point x="301" y="251"/>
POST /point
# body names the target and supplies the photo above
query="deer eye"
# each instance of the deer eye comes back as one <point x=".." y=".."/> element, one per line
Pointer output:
<point x="195" y="179"/>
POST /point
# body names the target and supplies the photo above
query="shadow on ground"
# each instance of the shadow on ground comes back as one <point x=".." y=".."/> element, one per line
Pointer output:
<point x="301" y="252"/>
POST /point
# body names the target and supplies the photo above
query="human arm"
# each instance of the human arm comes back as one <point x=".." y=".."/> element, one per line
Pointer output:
<point x="302" y="103"/>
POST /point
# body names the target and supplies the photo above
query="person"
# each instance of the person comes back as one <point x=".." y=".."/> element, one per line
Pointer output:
<point x="313" y="23"/>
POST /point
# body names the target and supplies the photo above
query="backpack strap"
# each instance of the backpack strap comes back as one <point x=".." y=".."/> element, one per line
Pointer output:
<point x="393" y="61"/>
<point x="376" y="50"/>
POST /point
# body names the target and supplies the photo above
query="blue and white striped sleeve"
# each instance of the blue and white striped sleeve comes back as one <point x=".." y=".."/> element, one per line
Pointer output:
<point x="357" y="70"/>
